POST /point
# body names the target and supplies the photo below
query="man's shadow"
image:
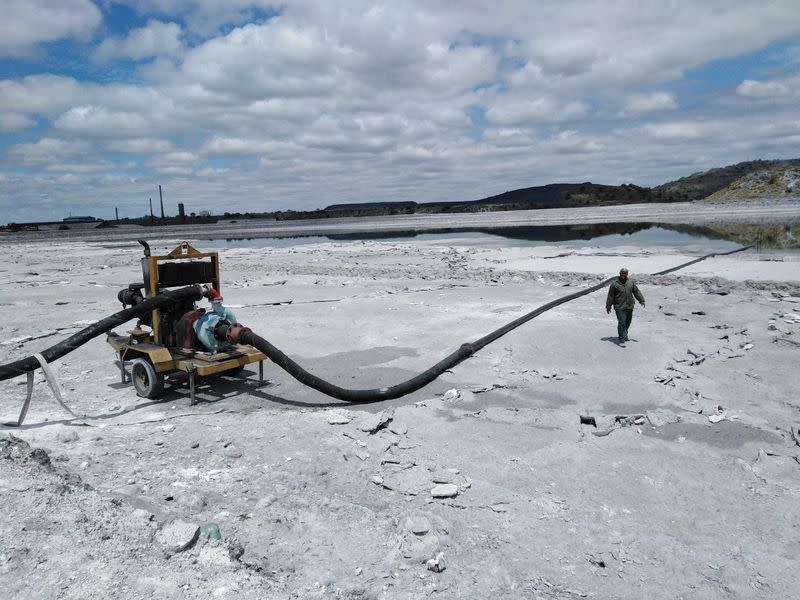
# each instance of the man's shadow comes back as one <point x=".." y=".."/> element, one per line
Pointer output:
<point x="615" y="340"/>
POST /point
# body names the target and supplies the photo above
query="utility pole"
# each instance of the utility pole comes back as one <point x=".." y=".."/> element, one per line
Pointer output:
<point x="162" y="200"/>
<point x="151" y="209"/>
<point x="116" y="213"/>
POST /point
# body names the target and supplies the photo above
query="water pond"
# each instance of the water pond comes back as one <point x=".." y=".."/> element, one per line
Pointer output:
<point x="606" y="235"/>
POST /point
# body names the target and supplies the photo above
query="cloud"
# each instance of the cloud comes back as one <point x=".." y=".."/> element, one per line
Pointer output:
<point x="519" y="112"/>
<point x="173" y="170"/>
<point x="680" y="131"/>
<point x="505" y="137"/>
<point x="265" y="61"/>
<point x="219" y="145"/>
<point x="47" y="151"/>
<point x="638" y="104"/>
<point x="27" y="23"/>
<point x="350" y="101"/>
<point x="207" y="17"/>
<point x="178" y="157"/>
<point x="212" y="172"/>
<point x="572" y="142"/>
<point x="234" y="146"/>
<point x="156" y="39"/>
<point x="79" y="166"/>
<point x="788" y="87"/>
<point x="100" y="122"/>
<point x="10" y="122"/>
<point x="45" y="95"/>
<point x="140" y="145"/>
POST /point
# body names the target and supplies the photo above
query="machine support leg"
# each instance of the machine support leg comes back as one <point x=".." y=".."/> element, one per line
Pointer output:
<point x="261" y="372"/>
<point x="122" y="369"/>
<point x="191" y="387"/>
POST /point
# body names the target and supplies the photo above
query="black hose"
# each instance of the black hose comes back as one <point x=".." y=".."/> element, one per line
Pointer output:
<point x="419" y="381"/>
<point x="246" y="336"/>
<point x="52" y="353"/>
<point x="697" y="260"/>
<point x="410" y="385"/>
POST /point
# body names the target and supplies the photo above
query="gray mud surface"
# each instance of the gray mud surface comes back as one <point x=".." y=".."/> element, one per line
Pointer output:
<point x="484" y="484"/>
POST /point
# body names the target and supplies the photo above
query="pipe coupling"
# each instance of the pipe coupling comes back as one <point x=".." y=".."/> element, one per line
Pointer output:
<point x="234" y="333"/>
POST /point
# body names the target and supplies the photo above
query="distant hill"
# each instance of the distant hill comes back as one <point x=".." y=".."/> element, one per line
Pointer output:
<point x="751" y="179"/>
<point x="557" y="195"/>
<point x="704" y="184"/>
<point x="553" y="195"/>
<point x="781" y="181"/>
<point x="371" y="206"/>
<point x="782" y="173"/>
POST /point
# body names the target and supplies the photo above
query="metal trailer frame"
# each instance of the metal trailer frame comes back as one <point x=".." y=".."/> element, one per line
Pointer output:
<point x="184" y="265"/>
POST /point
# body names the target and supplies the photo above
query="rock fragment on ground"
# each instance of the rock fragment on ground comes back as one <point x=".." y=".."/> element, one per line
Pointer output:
<point x="338" y="417"/>
<point x="661" y="416"/>
<point x="444" y="490"/>
<point x="417" y="524"/>
<point x="436" y="564"/>
<point x="178" y="536"/>
<point x="372" y="423"/>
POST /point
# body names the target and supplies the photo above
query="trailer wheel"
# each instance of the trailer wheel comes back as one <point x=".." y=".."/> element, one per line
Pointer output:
<point x="146" y="381"/>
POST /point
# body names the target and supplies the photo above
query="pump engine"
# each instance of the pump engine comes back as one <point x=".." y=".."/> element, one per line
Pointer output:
<point x="180" y="336"/>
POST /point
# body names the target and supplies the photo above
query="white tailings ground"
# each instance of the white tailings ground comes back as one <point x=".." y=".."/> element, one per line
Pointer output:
<point x="688" y="487"/>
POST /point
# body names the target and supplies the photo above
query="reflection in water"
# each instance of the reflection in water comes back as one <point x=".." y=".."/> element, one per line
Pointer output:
<point x="532" y="233"/>
<point x="602" y="234"/>
<point x="761" y="236"/>
<point x="718" y="237"/>
<point x="661" y="234"/>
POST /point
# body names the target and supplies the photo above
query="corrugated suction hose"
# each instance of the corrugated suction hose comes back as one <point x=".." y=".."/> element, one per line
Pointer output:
<point x="245" y="336"/>
<point x="22" y="366"/>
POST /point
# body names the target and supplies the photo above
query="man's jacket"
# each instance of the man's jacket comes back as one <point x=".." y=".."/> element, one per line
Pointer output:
<point x="621" y="295"/>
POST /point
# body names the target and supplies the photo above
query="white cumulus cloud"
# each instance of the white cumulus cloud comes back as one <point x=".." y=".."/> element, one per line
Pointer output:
<point x="47" y="151"/>
<point x="323" y="102"/>
<point x="156" y="39"/>
<point x="788" y="87"/>
<point x="535" y="110"/>
<point x="638" y="104"/>
<point x="45" y="94"/>
<point x="140" y="145"/>
<point x="93" y="121"/>
<point x="10" y="122"/>
<point x="25" y="24"/>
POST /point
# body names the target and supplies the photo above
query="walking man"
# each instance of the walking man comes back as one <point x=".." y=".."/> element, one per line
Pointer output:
<point x="621" y="296"/>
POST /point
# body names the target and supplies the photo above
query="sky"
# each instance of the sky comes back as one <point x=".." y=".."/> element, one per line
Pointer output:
<point x="237" y="105"/>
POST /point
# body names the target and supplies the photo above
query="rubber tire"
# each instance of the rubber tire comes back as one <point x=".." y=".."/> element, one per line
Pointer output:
<point x="146" y="382"/>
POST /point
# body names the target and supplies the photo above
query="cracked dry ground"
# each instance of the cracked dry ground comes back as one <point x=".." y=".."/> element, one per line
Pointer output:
<point x="689" y="490"/>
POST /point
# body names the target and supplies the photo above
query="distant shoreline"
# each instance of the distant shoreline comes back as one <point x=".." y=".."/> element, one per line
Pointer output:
<point x="687" y="213"/>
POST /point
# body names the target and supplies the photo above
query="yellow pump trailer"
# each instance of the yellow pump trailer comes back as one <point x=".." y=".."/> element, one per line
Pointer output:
<point x="165" y="342"/>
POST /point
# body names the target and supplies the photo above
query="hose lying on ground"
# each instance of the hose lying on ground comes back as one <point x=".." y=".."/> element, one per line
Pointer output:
<point x="22" y="366"/>
<point x="245" y="336"/>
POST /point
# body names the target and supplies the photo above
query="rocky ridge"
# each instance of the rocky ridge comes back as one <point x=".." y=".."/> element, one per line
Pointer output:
<point x="782" y="181"/>
<point x="706" y="183"/>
